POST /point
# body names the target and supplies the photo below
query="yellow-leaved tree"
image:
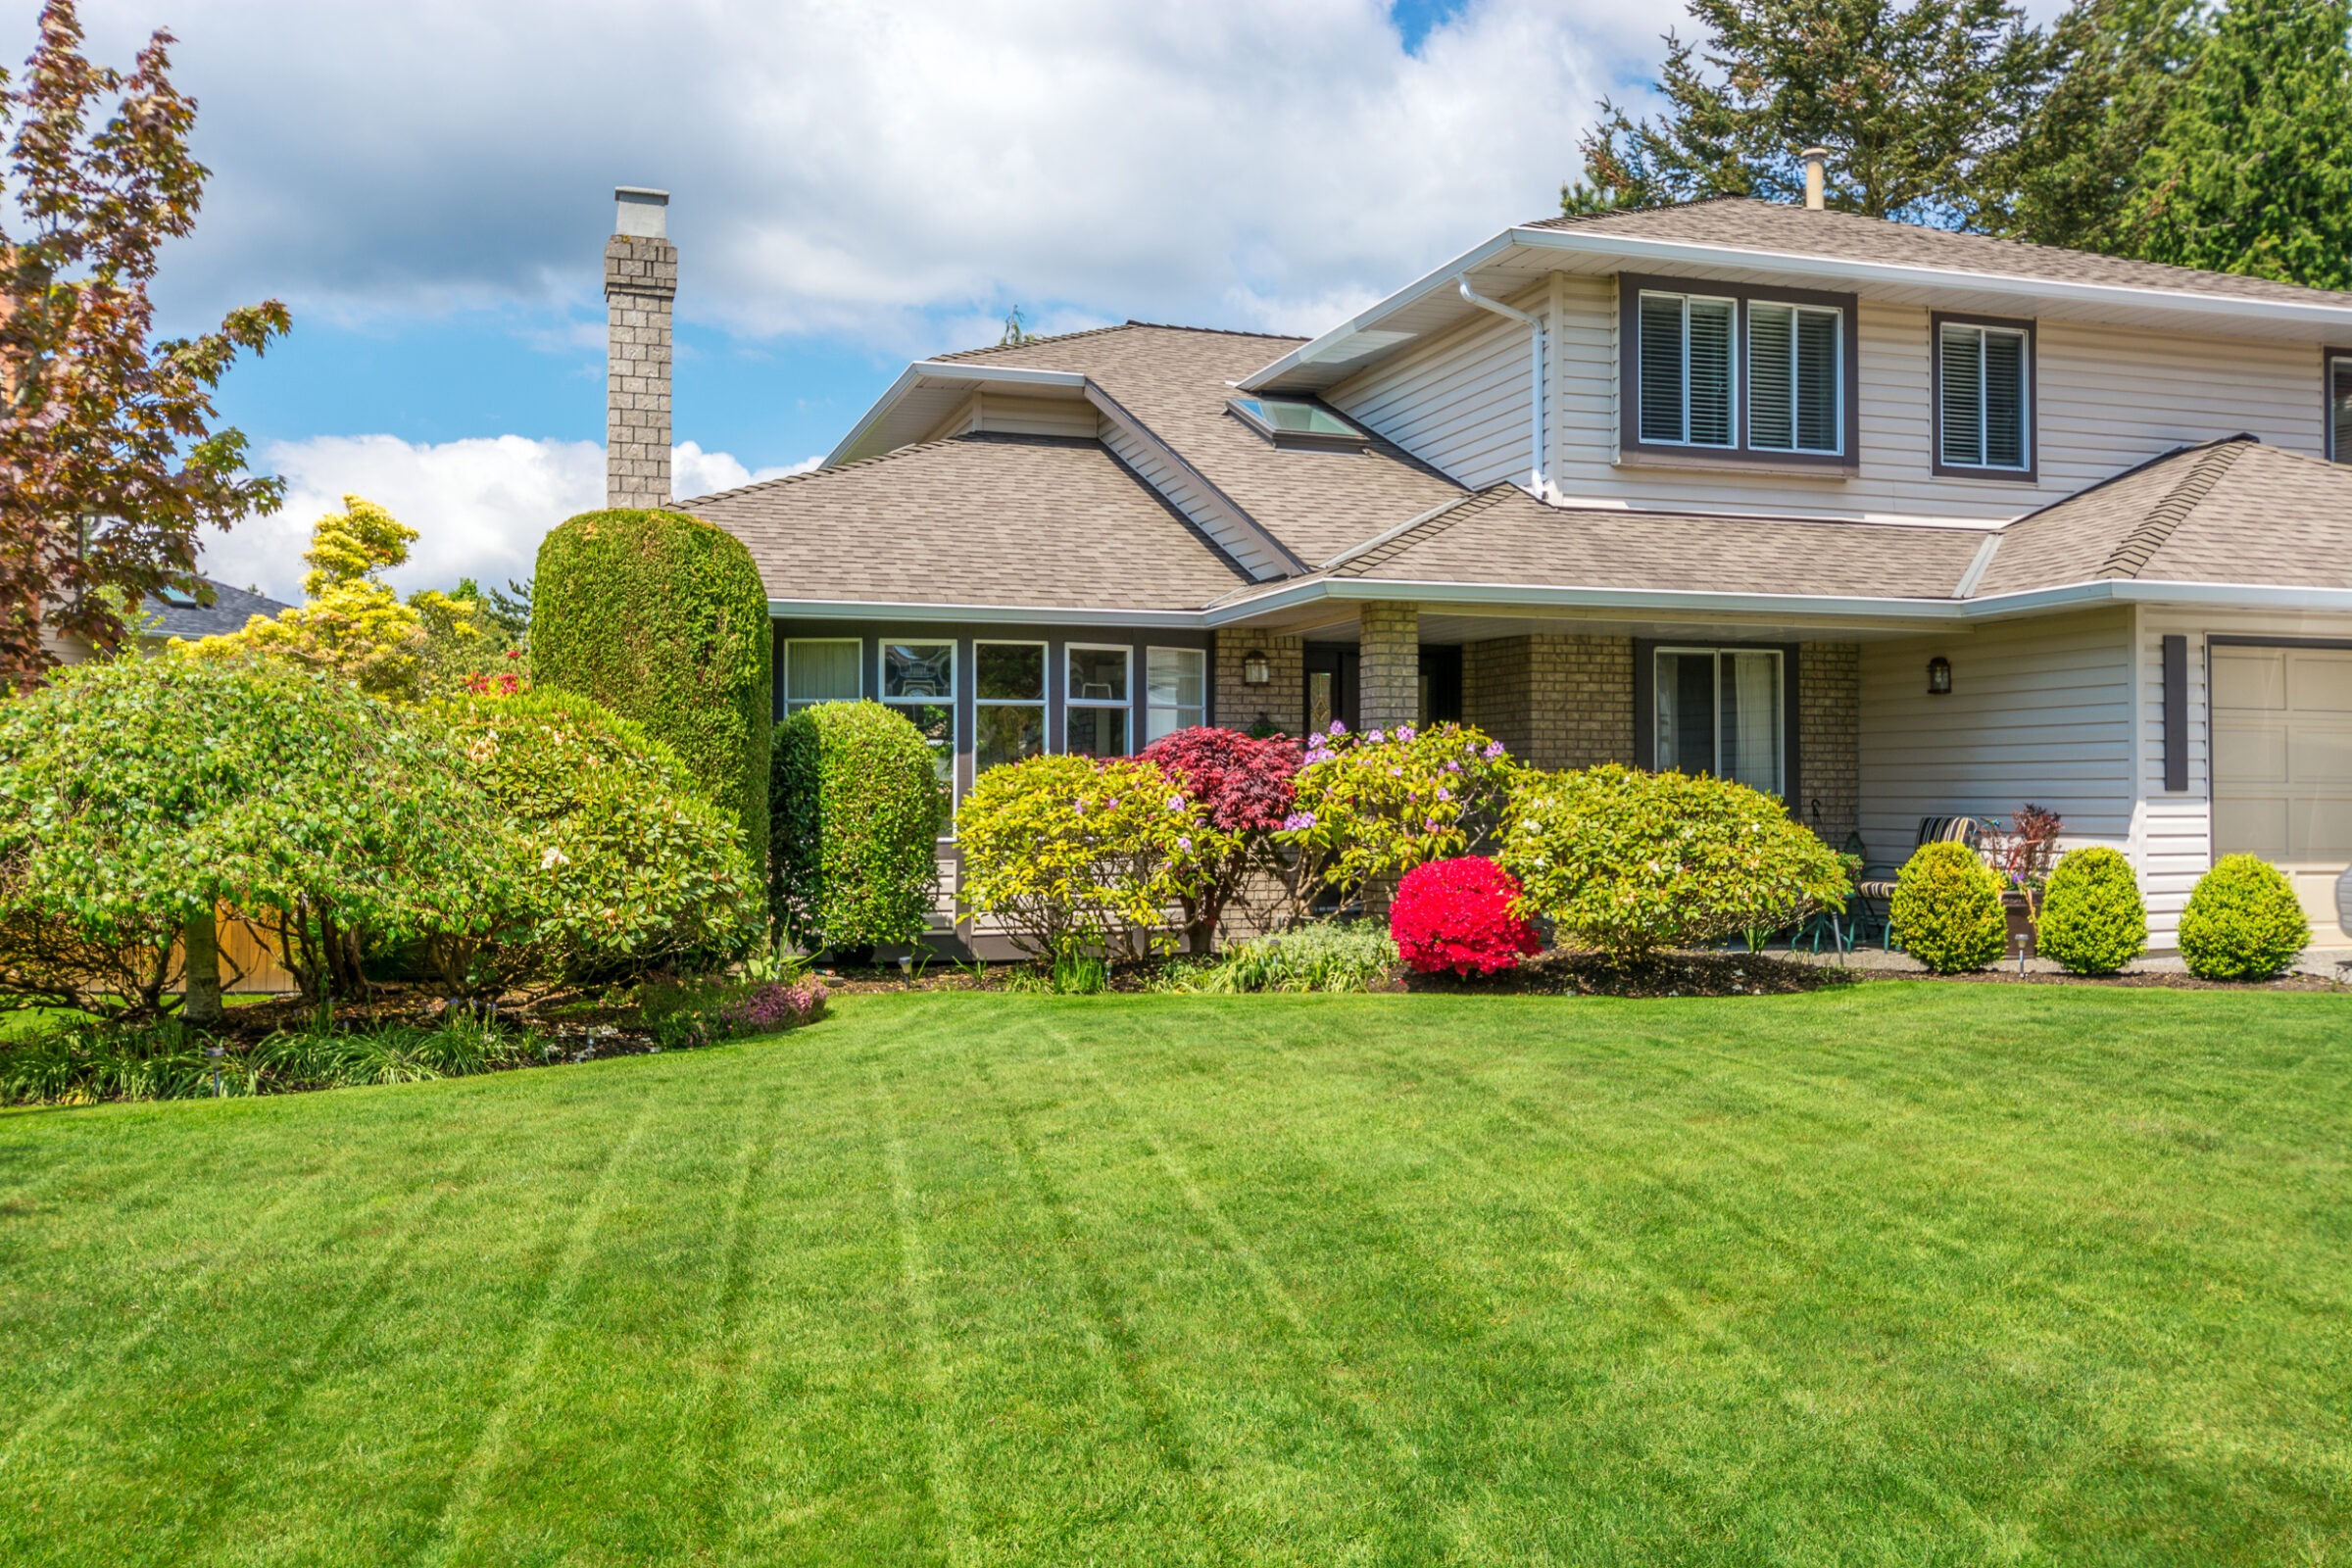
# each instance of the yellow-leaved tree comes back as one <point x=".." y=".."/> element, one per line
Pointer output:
<point x="354" y="623"/>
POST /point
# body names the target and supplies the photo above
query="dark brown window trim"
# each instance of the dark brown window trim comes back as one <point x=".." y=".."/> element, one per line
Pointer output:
<point x="2029" y="473"/>
<point x="1840" y="463"/>
<point x="2329" y="358"/>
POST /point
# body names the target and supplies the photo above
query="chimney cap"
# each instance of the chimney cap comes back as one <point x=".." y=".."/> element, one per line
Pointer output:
<point x="642" y="210"/>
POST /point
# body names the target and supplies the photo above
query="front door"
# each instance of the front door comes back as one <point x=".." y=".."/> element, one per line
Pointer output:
<point x="1331" y="681"/>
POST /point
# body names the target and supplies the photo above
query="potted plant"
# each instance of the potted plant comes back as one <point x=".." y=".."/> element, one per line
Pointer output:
<point x="2023" y="850"/>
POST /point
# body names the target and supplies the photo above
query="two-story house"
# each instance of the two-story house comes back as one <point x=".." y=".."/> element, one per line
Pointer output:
<point x="1886" y="521"/>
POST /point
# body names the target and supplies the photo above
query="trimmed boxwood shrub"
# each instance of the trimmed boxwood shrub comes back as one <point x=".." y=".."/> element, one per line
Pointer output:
<point x="857" y="820"/>
<point x="2092" y="919"/>
<point x="2243" y="921"/>
<point x="1627" y="862"/>
<point x="663" y="618"/>
<point x="1460" y="914"/>
<point x="1947" y="910"/>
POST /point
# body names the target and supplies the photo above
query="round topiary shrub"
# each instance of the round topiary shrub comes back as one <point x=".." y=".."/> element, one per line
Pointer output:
<point x="662" y="619"/>
<point x="1627" y="862"/>
<point x="2243" y="921"/>
<point x="2092" y="919"/>
<point x="1947" y="910"/>
<point x="1460" y="914"/>
<point x="856" y="805"/>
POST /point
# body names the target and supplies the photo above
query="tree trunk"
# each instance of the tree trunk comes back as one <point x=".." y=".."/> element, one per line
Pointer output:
<point x="200" y="946"/>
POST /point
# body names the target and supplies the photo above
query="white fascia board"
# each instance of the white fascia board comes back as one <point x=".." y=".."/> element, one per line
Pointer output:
<point x="922" y="371"/>
<point x="988" y="615"/>
<point x="1443" y="281"/>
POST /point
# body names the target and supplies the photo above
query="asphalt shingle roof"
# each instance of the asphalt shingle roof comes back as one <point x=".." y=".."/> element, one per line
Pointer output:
<point x="229" y="610"/>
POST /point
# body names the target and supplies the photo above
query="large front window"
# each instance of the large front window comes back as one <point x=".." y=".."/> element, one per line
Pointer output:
<point x="1008" y="703"/>
<point x="1719" y="712"/>
<point x="1095" y="718"/>
<point x="1738" y="372"/>
<point x="822" y="669"/>
<point x="1175" y="690"/>
<point x="919" y="680"/>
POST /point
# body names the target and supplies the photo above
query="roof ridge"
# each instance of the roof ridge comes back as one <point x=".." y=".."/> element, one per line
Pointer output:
<point x="1115" y="327"/>
<point x="1380" y="550"/>
<point x="2119" y="477"/>
<point x="2137" y="547"/>
<point x="823" y="470"/>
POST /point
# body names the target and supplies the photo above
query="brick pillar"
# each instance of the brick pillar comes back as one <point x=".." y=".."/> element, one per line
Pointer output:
<point x="641" y="282"/>
<point x="1829" y="740"/>
<point x="1280" y="703"/>
<point x="1389" y="643"/>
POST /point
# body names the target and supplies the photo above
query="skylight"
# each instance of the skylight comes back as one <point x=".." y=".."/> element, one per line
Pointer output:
<point x="1296" y="419"/>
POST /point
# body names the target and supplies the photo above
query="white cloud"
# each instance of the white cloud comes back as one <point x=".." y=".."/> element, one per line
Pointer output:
<point x="479" y="506"/>
<point x="877" y="168"/>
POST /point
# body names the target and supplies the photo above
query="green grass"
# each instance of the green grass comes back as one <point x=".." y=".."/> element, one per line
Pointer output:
<point x="1901" y="1274"/>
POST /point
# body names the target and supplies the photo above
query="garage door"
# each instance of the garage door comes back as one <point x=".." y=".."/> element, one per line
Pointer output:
<point x="2282" y="767"/>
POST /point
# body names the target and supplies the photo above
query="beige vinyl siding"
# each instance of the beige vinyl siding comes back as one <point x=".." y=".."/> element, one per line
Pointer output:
<point x="2173" y="832"/>
<point x="1189" y="497"/>
<point x="1008" y="413"/>
<point x="1458" y="402"/>
<point x="2108" y="398"/>
<point x="2039" y="711"/>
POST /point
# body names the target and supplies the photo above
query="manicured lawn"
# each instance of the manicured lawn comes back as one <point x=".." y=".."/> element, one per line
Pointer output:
<point x="1916" y="1274"/>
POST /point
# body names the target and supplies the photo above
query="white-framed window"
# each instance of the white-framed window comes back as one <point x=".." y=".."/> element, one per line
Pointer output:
<point x="1795" y="365"/>
<point x="918" y="679"/>
<point x="1008" y="703"/>
<point x="1719" y="710"/>
<point x="1175" y="690"/>
<point x="2339" y="408"/>
<point x="1097" y="701"/>
<point x="1688" y="370"/>
<point x="1984" y="397"/>
<point x="822" y="669"/>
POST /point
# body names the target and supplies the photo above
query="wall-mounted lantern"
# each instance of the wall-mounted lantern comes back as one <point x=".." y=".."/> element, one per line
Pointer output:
<point x="1256" y="668"/>
<point x="1939" y="676"/>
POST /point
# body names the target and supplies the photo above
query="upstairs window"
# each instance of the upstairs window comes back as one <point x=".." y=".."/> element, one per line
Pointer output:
<point x="1985" y="398"/>
<point x="2339" y="408"/>
<point x="1725" y="372"/>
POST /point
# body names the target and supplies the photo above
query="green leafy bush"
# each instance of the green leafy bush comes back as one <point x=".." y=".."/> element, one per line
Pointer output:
<point x="2243" y="921"/>
<point x="854" y="853"/>
<point x="1947" y="910"/>
<point x="1079" y="856"/>
<point x="701" y="1011"/>
<point x="2092" y="919"/>
<point x="87" y="1062"/>
<point x="610" y="861"/>
<point x="1327" y="956"/>
<point x="663" y="618"/>
<point x="1628" y="863"/>
<point x="1378" y="804"/>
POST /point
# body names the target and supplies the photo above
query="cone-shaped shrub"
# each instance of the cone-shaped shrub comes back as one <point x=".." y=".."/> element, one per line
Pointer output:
<point x="1460" y="914"/>
<point x="1947" y="910"/>
<point x="2243" y="921"/>
<point x="857" y="826"/>
<point x="662" y="619"/>
<point x="2092" y="919"/>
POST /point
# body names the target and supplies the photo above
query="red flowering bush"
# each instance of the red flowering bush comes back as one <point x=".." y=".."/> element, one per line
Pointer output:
<point x="1460" y="914"/>
<point x="1245" y="787"/>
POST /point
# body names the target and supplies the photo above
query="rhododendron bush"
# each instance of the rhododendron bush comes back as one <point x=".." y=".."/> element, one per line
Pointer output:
<point x="1383" y="802"/>
<point x="1245" y="787"/>
<point x="1460" y="914"/>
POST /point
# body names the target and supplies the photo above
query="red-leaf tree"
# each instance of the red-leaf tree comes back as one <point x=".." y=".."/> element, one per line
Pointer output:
<point x="1245" y="788"/>
<point x="110" y="460"/>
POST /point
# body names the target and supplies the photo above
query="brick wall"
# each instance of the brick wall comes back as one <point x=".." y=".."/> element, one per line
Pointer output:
<point x="1554" y="700"/>
<point x="641" y="283"/>
<point x="1829" y="738"/>
<point x="1388" y="644"/>
<point x="1282" y="702"/>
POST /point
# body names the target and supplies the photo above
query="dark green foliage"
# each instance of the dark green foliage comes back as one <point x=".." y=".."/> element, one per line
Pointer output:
<point x="856" y="824"/>
<point x="1917" y="103"/>
<point x="2243" y="921"/>
<point x="663" y="618"/>
<point x="1947" y="910"/>
<point x="2253" y="172"/>
<point x="2092" y="919"/>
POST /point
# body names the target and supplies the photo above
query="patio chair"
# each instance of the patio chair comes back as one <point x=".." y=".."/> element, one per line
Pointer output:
<point x="1873" y="893"/>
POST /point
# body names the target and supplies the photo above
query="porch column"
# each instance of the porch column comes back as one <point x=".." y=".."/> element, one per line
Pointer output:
<point x="1389" y="647"/>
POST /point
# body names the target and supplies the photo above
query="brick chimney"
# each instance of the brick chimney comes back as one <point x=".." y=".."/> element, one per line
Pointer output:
<point x="641" y="281"/>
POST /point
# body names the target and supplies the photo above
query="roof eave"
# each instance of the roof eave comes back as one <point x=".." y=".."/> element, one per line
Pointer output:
<point x="926" y="370"/>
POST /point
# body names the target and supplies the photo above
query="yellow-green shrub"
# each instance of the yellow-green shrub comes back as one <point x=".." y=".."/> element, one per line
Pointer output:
<point x="2092" y="919"/>
<point x="1947" y="910"/>
<point x="2243" y="921"/>
<point x="854" y="848"/>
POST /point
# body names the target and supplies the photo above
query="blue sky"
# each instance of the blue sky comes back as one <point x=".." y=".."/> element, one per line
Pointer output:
<point x="428" y="185"/>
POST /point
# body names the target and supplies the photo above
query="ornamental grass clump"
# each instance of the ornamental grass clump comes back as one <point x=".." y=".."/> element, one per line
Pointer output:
<point x="1460" y="915"/>
<point x="855" y="843"/>
<point x="1078" y="857"/>
<point x="1325" y="955"/>
<point x="2243" y="921"/>
<point x="2092" y="920"/>
<point x="1627" y="863"/>
<point x="1378" y="804"/>
<point x="1946" y="909"/>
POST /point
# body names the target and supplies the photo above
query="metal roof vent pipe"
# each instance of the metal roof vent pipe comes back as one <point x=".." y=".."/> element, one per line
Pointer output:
<point x="1817" y="178"/>
<point x="641" y="284"/>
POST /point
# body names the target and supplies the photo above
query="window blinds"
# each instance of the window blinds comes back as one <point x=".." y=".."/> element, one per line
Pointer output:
<point x="1687" y="371"/>
<point x="1983" y="408"/>
<point x="1791" y="378"/>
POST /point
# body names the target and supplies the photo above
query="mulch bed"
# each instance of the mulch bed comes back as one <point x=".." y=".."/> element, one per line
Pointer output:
<point x="1667" y="975"/>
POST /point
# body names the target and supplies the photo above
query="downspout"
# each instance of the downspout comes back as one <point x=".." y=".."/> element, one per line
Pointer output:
<point x="1535" y="384"/>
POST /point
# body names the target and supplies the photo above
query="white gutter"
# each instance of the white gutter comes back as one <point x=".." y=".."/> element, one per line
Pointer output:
<point x="907" y="612"/>
<point x="922" y="371"/>
<point x="1534" y="381"/>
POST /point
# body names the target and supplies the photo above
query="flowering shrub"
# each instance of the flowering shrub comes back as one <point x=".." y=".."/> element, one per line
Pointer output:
<point x="1380" y="803"/>
<point x="1462" y="915"/>
<point x="683" y="1015"/>
<point x="1627" y="862"/>
<point x="1077" y="855"/>
<point x="1245" y="787"/>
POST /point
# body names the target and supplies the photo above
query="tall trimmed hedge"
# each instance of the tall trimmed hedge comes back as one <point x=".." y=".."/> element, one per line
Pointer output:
<point x="857" y="820"/>
<point x="663" y="618"/>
